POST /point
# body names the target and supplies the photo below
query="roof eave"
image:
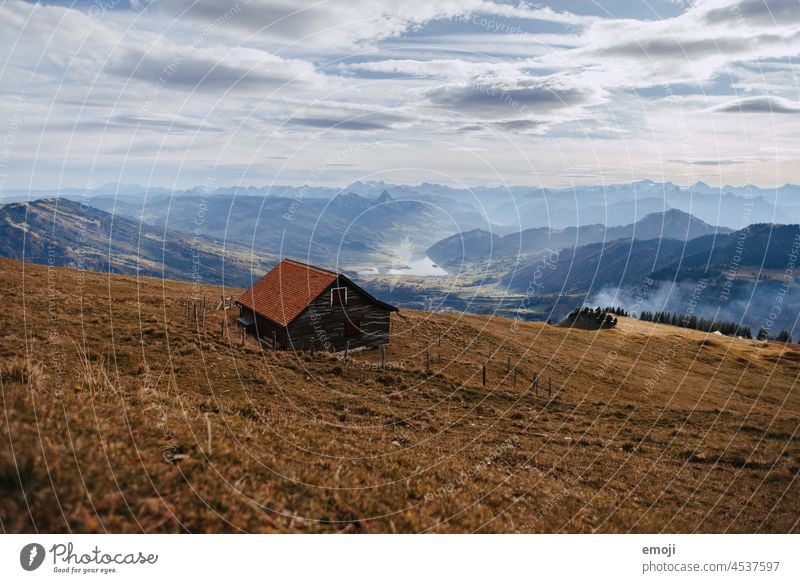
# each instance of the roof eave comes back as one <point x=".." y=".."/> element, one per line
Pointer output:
<point x="252" y="309"/>
<point x="372" y="298"/>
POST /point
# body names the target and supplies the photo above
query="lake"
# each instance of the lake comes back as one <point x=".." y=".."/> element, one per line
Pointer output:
<point x="415" y="266"/>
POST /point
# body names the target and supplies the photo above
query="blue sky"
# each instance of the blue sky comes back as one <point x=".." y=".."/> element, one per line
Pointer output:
<point x="465" y="92"/>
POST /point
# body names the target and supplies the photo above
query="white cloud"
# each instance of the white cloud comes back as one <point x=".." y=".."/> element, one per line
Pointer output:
<point x="690" y="48"/>
<point x="346" y="24"/>
<point x="212" y="84"/>
<point x="229" y="69"/>
<point x="761" y="104"/>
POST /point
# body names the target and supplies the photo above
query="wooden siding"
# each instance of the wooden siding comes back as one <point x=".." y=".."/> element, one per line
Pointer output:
<point x="264" y="328"/>
<point x="325" y="324"/>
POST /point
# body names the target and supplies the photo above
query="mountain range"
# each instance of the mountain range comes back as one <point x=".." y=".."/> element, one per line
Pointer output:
<point x="479" y="244"/>
<point x="62" y="232"/>
<point x="347" y="228"/>
<point x="233" y="239"/>
<point x="747" y="276"/>
<point x="625" y="262"/>
<point x="511" y="208"/>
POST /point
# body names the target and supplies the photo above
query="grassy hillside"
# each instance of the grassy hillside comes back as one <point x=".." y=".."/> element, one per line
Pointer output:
<point x="120" y="415"/>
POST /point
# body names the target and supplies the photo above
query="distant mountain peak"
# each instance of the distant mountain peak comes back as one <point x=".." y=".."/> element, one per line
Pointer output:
<point x="670" y="213"/>
<point x="383" y="197"/>
<point x="673" y="224"/>
<point x="369" y="187"/>
<point x="350" y="204"/>
<point x="358" y="183"/>
<point x="344" y="196"/>
<point x="673" y="213"/>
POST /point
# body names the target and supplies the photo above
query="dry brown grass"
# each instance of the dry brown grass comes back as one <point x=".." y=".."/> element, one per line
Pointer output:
<point x="120" y="416"/>
<point x="21" y="370"/>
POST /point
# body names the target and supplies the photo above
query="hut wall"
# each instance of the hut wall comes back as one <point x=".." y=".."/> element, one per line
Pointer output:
<point x="330" y="326"/>
<point x="265" y="327"/>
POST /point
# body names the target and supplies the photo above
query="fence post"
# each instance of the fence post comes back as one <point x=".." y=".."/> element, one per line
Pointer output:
<point x="346" y="350"/>
<point x="274" y="340"/>
<point x="484" y="374"/>
<point x="383" y="357"/>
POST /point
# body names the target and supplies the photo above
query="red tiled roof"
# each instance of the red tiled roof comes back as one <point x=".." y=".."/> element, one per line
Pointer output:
<point x="287" y="290"/>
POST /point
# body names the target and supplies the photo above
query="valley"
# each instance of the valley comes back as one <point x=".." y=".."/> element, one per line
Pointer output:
<point x="430" y="251"/>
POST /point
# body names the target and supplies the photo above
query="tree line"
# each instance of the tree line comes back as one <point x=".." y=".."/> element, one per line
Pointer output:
<point x="711" y="325"/>
<point x="694" y="323"/>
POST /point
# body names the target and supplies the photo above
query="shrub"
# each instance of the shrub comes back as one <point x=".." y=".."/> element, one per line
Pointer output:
<point x="21" y="370"/>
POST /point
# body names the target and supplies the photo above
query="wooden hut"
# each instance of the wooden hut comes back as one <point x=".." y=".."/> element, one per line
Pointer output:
<point x="295" y="306"/>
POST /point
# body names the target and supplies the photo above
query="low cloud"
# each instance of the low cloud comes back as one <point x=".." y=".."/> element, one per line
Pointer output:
<point x="766" y="12"/>
<point x="345" y="24"/>
<point x="519" y="125"/>
<point x="681" y="48"/>
<point x="749" y="304"/>
<point x="532" y="97"/>
<point x="358" y="125"/>
<point x="713" y="162"/>
<point x="764" y="104"/>
<point x="207" y="70"/>
<point x="360" y="122"/>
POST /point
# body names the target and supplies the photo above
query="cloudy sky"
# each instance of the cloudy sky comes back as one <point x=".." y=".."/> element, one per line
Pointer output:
<point x="180" y="93"/>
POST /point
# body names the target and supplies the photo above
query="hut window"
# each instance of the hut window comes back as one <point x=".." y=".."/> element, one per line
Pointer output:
<point x="339" y="296"/>
<point x="352" y="328"/>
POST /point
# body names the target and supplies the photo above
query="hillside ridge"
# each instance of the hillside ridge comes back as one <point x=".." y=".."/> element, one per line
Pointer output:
<point x="63" y="232"/>
<point x="174" y="427"/>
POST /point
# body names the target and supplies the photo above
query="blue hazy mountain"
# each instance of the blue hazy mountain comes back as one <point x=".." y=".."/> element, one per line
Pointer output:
<point x="480" y="245"/>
